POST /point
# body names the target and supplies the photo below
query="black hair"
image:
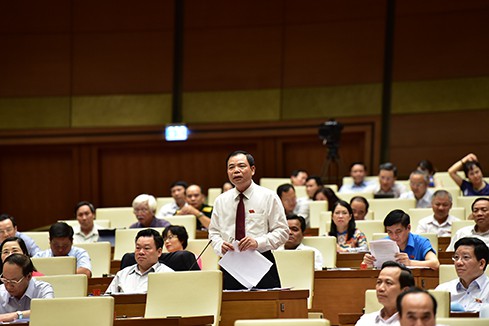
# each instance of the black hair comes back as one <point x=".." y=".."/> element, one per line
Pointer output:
<point x="318" y="180"/>
<point x="284" y="188"/>
<point x="179" y="231"/>
<point x="361" y="199"/>
<point x="478" y="200"/>
<point x="249" y="157"/>
<point x="85" y="203"/>
<point x="333" y="231"/>
<point x="296" y="172"/>
<point x="413" y="290"/>
<point x="406" y="278"/>
<point x="300" y="219"/>
<point x="388" y="166"/>
<point x="358" y="163"/>
<point x="179" y="183"/>
<point x="469" y="166"/>
<point x="426" y="165"/>
<point x="397" y="216"/>
<point x="329" y="194"/>
<point x="4" y="217"/>
<point x="481" y="250"/>
<point x="23" y="261"/>
<point x="60" y="230"/>
<point x="21" y="243"/>
<point x="151" y="233"/>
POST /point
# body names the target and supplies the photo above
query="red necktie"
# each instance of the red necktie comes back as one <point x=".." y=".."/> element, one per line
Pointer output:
<point x="240" y="219"/>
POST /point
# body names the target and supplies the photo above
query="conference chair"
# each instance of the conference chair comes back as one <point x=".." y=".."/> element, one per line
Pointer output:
<point x="457" y="225"/>
<point x="72" y="311"/>
<point x="119" y="217"/>
<point x="416" y="214"/>
<point x="466" y="202"/>
<point x="103" y="224"/>
<point x="381" y="207"/>
<point x="291" y="276"/>
<point x="100" y="256"/>
<point x="186" y="294"/>
<point x="162" y="201"/>
<point x="315" y="209"/>
<point x="332" y="186"/>
<point x="67" y="285"/>
<point x="212" y="194"/>
<point x="379" y="236"/>
<point x="370" y="227"/>
<point x="273" y="183"/>
<point x="55" y="265"/>
<point x="300" y="191"/>
<point x="282" y="322"/>
<point x="447" y="273"/>
<point x="446" y="181"/>
<point x="125" y="241"/>
<point x="209" y="258"/>
<point x="442" y="298"/>
<point x="326" y="245"/>
<point x="433" y="237"/>
<point x="41" y="238"/>
<point x="462" y="321"/>
<point x="188" y="221"/>
<point x="347" y="196"/>
<point x="324" y="222"/>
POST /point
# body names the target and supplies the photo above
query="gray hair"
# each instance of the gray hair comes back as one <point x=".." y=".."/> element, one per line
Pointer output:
<point x="144" y="198"/>
<point x="442" y="193"/>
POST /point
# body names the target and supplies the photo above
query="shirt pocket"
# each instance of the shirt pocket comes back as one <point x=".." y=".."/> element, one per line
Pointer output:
<point x="256" y="225"/>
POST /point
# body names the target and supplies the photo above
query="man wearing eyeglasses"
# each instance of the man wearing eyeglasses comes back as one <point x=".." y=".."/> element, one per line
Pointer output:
<point x="144" y="207"/>
<point x="19" y="288"/>
<point x="419" y="181"/>
<point x="471" y="290"/>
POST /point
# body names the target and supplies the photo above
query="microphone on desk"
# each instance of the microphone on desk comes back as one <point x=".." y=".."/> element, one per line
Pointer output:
<point x="201" y="253"/>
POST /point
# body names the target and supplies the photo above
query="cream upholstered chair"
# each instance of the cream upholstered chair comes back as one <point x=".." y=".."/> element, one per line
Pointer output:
<point x="125" y="241"/>
<point x="273" y="183"/>
<point x="104" y="224"/>
<point x="324" y="222"/>
<point x="291" y="276"/>
<point x="466" y="202"/>
<point x="300" y="191"/>
<point x="41" y="238"/>
<point x="212" y="194"/>
<point x="433" y="237"/>
<point x="188" y="221"/>
<point x="282" y="322"/>
<point x="457" y="225"/>
<point x="446" y="181"/>
<point x="209" y="258"/>
<point x="326" y="245"/>
<point x="162" y="201"/>
<point x="72" y="311"/>
<point x="120" y="217"/>
<point x="447" y="273"/>
<point x="462" y="321"/>
<point x="55" y="265"/>
<point x="370" y="227"/>
<point x="315" y="209"/>
<point x="371" y="302"/>
<point x="379" y="236"/>
<point x="332" y="186"/>
<point x="382" y="207"/>
<point x="194" y="293"/>
<point x="100" y="256"/>
<point x="67" y="285"/>
<point x="347" y="196"/>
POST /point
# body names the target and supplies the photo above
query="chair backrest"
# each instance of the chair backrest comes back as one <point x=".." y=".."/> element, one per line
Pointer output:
<point x="370" y="227"/>
<point x="120" y="217"/>
<point x="315" y="209"/>
<point x="103" y="224"/>
<point x="290" y="275"/>
<point x="125" y="240"/>
<point x="174" y="294"/>
<point x="66" y="286"/>
<point x="100" y="256"/>
<point x="324" y="222"/>
<point x="188" y="221"/>
<point x="209" y="259"/>
<point x="282" y="322"/>
<point x="457" y="225"/>
<point x="447" y="273"/>
<point x="417" y="214"/>
<point x="327" y="247"/>
<point x="332" y="186"/>
<point x="55" y="265"/>
<point x="162" y="201"/>
<point x="212" y="194"/>
<point x="382" y="207"/>
<point x="462" y="321"/>
<point x="433" y="237"/>
<point x="371" y="302"/>
<point x="446" y="181"/>
<point x="273" y="183"/>
<point x="379" y="236"/>
<point x="466" y="202"/>
<point x="72" y="311"/>
<point x="300" y="191"/>
<point x="41" y="238"/>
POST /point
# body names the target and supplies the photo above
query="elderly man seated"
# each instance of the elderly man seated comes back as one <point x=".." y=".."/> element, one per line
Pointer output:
<point x="19" y="288"/>
<point x="134" y="278"/>
<point x="440" y="222"/>
<point x="471" y="290"/>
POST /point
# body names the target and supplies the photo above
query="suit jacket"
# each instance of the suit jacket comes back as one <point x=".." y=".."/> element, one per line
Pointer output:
<point x="178" y="261"/>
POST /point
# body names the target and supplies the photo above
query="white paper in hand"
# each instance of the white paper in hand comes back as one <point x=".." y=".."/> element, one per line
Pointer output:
<point x="383" y="250"/>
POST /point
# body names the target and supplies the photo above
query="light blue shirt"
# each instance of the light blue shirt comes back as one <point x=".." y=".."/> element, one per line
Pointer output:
<point x="352" y="187"/>
<point x="35" y="289"/>
<point x="81" y="255"/>
<point x="32" y="247"/>
<point x="471" y="298"/>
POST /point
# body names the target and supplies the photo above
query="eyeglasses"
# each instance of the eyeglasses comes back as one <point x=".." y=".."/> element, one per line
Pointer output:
<point x="171" y="237"/>
<point x="11" y="282"/>
<point x="464" y="258"/>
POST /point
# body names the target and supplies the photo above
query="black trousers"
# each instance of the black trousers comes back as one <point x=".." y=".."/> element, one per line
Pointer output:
<point x="270" y="280"/>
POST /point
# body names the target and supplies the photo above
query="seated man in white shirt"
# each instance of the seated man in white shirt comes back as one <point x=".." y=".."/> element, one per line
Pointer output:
<point x="393" y="279"/>
<point x="358" y="171"/>
<point x="480" y="213"/>
<point x="387" y="186"/>
<point x="440" y="222"/>
<point x="177" y="190"/>
<point x="416" y="307"/>
<point x="419" y="181"/>
<point x="134" y="279"/>
<point x="297" y="226"/>
<point x="286" y="193"/>
<point x="87" y="230"/>
<point x="471" y="290"/>
<point x="19" y="288"/>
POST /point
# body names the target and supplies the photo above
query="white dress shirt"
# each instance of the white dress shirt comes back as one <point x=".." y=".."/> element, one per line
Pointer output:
<point x="302" y="208"/>
<point x="429" y="224"/>
<point x="80" y="237"/>
<point x="35" y="290"/>
<point x="167" y="210"/>
<point x="264" y="218"/>
<point x="468" y="231"/>
<point x="471" y="298"/>
<point x="424" y="202"/>
<point x="374" y="318"/>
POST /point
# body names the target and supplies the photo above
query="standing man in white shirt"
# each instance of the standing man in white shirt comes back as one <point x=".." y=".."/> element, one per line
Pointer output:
<point x="440" y="222"/>
<point x="393" y="279"/>
<point x="419" y="181"/>
<point x="264" y="227"/>
<point x="471" y="290"/>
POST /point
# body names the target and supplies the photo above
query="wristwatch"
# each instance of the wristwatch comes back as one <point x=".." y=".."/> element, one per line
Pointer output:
<point x="20" y="315"/>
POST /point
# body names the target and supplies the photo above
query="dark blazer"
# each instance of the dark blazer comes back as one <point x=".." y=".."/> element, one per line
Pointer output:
<point x="178" y="261"/>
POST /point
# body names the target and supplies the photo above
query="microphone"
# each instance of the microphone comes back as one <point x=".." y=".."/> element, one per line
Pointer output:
<point x="201" y="253"/>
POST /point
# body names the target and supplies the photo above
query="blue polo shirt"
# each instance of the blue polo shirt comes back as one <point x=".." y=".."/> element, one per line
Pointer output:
<point x="417" y="247"/>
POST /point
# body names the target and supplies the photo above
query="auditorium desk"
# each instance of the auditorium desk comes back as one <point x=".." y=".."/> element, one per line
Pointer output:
<point x="343" y="291"/>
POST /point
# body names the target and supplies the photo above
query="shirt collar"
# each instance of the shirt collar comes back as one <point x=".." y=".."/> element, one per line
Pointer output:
<point x="247" y="193"/>
<point x="151" y="269"/>
<point x="479" y="282"/>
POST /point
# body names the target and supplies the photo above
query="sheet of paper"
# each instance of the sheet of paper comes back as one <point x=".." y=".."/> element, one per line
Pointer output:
<point x="247" y="267"/>
<point x="383" y="250"/>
